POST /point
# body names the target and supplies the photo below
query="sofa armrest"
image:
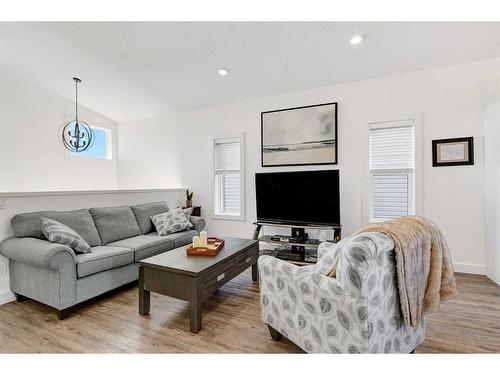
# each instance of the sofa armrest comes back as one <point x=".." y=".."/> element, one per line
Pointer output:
<point x="298" y="278"/>
<point x="38" y="253"/>
<point x="198" y="222"/>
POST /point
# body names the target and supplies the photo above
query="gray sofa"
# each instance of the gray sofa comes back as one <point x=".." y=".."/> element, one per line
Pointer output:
<point x="119" y="236"/>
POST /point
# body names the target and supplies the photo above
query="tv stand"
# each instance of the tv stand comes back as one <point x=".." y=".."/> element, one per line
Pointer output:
<point x="296" y="248"/>
<point x="299" y="234"/>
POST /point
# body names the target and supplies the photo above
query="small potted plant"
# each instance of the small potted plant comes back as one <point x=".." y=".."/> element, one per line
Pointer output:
<point x="189" y="198"/>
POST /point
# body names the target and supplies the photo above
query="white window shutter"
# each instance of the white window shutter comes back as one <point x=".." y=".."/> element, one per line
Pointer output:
<point x="231" y="193"/>
<point x="227" y="167"/>
<point x="390" y="195"/>
<point x="392" y="168"/>
<point x="227" y="156"/>
<point x="392" y="148"/>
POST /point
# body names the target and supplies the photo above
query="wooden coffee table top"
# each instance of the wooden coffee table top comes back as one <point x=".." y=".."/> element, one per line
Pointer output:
<point x="178" y="261"/>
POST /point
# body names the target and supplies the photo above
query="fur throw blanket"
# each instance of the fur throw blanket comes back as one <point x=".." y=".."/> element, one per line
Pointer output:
<point x="424" y="269"/>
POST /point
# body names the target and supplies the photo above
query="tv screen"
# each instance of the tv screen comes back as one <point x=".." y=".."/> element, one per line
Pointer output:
<point x="309" y="197"/>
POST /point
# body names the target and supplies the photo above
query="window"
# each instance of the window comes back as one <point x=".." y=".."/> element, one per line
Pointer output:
<point x="392" y="169"/>
<point x="101" y="149"/>
<point x="228" y="177"/>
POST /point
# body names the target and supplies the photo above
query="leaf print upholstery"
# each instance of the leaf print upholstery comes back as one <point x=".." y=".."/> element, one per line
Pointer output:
<point x="362" y="313"/>
<point x="344" y="320"/>
<point x="325" y="306"/>
<point x="355" y="312"/>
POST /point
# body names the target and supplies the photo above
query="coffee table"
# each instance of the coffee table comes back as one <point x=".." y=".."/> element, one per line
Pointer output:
<point x="194" y="278"/>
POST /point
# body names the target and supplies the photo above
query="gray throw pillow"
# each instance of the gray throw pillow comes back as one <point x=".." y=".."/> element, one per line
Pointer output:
<point x="170" y="222"/>
<point x="57" y="232"/>
<point x="188" y="212"/>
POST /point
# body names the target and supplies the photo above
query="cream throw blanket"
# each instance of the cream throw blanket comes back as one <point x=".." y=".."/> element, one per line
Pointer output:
<point x="424" y="269"/>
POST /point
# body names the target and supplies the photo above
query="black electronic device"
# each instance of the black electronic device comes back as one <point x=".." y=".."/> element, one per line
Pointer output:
<point x="301" y="198"/>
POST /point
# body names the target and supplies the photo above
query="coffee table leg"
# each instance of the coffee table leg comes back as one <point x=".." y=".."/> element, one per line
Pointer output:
<point x="144" y="295"/>
<point x="255" y="272"/>
<point x="195" y="316"/>
<point x="195" y="307"/>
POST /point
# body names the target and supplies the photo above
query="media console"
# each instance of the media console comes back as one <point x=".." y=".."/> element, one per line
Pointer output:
<point x="296" y="248"/>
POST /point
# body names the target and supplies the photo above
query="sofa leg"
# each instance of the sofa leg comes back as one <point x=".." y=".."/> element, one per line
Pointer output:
<point x="276" y="336"/>
<point x="20" y="297"/>
<point x="62" y="314"/>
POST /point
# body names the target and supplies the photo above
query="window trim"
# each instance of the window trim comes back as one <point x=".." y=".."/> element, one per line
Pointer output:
<point x="213" y="140"/>
<point x="109" y="147"/>
<point x="418" y="191"/>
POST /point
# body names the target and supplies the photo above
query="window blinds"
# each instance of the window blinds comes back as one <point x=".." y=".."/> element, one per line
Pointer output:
<point x="390" y="195"/>
<point x="231" y="193"/>
<point x="227" y="155"/>
<point x="227" y="175"/>
<point x="392" y="165"/>
<point x="392" y="147"/>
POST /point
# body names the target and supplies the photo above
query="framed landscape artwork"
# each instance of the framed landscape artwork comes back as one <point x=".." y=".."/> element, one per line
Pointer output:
<point x="452" y="151"/>
<point x="299" y="136"/>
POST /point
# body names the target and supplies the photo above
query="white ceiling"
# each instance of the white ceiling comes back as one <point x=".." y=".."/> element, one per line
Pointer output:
<point x="132" y="70"/>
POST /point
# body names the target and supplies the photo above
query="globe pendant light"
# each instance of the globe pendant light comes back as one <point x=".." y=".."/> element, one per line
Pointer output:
<point x="77" y="136"/>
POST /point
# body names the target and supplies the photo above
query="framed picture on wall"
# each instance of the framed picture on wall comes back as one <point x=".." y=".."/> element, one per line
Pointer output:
<point x="299" y="136"/>
<point x="453" y="151"/>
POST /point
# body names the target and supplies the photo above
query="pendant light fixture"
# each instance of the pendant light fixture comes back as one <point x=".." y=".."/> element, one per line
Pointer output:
<point x="77" y="136"/>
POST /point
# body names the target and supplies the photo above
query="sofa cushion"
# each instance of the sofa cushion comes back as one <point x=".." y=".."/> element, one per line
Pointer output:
<point x="30" y="224"/>
<point x="64" y="235"/>
<point x="145" y="246"/>
<point x="143" y="213"/>
<point x="179" y="238"/>
<point x="103" y="258"/>
<point x="170" y="222"/>
<point x="115" y="223"/>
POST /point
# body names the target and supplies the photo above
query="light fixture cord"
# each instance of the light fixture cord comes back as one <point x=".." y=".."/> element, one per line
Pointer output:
<point x="76" y="101"/>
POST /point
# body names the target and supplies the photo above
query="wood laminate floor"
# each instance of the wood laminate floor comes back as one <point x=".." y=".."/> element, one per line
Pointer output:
<point x="231" y="323"/>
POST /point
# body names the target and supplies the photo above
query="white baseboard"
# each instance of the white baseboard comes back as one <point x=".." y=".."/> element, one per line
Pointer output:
<point x="476" y="269"/>
<point x="6" y="297"/>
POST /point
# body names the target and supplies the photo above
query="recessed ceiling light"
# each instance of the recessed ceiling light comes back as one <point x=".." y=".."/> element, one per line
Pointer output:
<point x="356" y="39"/>
<point x="223" y="72"/>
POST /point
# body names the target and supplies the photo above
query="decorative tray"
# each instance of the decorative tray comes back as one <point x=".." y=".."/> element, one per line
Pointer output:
<point x="214" y="246"/>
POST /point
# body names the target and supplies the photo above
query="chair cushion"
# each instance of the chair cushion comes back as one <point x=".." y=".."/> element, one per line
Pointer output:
<point x="30" y="224"/>
<point x="103" y="258"/>
<point x="115" y="223"/>
<point x="179" y="238"/>
<point x="170" y="222"/>
<point x="145" y="246"/>
<point x="143" y="213"/>
<point x="61" y="234"/>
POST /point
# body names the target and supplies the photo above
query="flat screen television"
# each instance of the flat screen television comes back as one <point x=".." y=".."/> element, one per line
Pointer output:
<point x="301" y="198"/>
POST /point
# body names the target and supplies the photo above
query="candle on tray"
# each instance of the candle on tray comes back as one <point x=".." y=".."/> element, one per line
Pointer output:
<point x="203" y="238"/>
<point x="196" y="241"/>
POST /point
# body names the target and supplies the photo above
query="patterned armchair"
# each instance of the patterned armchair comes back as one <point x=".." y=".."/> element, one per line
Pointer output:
<point x="356" y="312"/>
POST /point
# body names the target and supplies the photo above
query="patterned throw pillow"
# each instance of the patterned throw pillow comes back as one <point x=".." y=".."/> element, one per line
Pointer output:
<point x="59" y="233"/>
<point x="170" y="222"/>
<point x="188" y="212"/>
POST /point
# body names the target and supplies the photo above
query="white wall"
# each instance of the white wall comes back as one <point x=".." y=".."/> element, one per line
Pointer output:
<point x="492" y="189"/>
<point x="31" y="157"/>
<point x="150" y="152"/>
<point x="29" y="202"/>
<point x="451" y="100"/>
